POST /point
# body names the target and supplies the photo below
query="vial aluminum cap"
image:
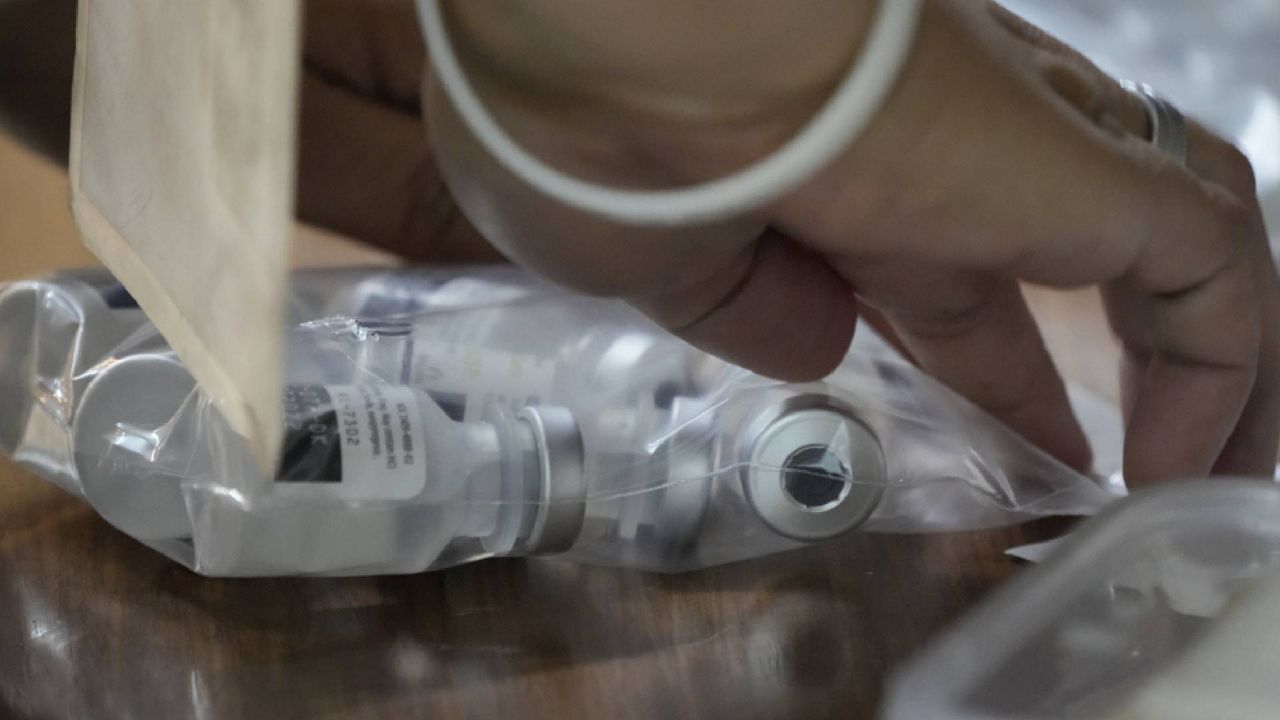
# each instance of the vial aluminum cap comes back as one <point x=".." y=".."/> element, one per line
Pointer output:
<point x="124" y="431"/>
<point x="562" y="492"/>
<point x="812" y="470"/>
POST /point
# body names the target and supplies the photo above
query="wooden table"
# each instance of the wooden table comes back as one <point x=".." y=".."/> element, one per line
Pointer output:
<point x="94" y="625"/>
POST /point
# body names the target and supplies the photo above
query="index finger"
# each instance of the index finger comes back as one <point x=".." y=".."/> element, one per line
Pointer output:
<point x="1181" y="247"/>
<point x="1251" y="446"/>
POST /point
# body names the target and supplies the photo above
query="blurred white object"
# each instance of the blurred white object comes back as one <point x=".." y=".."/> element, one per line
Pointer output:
<point x="1171" y="579"/>
<point x="1230" y="674"/>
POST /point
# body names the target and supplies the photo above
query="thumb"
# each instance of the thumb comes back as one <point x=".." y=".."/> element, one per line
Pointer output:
<point x="779" y="310"/>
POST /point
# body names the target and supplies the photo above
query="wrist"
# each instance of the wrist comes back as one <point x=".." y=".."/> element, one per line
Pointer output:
<point x="685" y="85"/>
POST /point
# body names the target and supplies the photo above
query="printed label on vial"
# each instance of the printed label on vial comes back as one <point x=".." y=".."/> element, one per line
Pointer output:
<point x="467" y="380"/>
<point x="355" y="442"/>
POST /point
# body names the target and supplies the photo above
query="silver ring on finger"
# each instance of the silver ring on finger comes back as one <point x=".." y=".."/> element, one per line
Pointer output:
<point x="1168" y="124"/>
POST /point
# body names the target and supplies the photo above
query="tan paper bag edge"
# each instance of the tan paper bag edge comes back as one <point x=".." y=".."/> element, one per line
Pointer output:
<point x="256" y="417"/>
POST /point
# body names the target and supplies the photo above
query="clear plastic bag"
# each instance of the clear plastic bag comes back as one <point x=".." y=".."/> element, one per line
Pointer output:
<point x="439" y="417"/>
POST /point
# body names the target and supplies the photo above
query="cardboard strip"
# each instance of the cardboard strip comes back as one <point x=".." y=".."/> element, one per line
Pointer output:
<point x="182" y="162"/>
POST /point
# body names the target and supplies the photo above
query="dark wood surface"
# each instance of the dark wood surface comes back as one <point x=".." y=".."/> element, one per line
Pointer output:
<point x="94" y="625"/>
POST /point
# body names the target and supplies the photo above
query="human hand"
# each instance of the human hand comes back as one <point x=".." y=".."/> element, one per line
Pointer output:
<point x="1001" y="157"/>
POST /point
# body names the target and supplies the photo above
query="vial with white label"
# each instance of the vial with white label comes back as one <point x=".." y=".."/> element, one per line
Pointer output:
<point x="560" y="424"/>
<point x="372" y="478"/>
<point x="621" y="376"/>
<point x="653" y="432"/>
<point x="377" y="478"/>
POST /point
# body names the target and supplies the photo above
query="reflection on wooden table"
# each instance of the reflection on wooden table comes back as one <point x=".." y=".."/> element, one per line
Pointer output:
<point x="98" y="626"/>
<point x="94" y="625"/>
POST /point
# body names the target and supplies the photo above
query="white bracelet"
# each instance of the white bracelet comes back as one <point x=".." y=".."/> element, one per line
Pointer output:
<point x="845" y="115"/>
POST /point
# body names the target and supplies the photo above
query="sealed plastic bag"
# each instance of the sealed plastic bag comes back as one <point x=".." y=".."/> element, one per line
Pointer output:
<point x="434" y="418"/>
